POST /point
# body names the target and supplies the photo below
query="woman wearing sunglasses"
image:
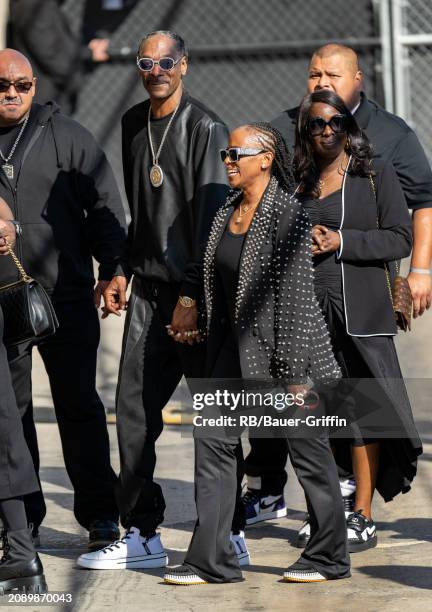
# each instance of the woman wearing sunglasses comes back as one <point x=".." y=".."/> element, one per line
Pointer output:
<point x="264" y="323"/>
<point x="361" y="226"/>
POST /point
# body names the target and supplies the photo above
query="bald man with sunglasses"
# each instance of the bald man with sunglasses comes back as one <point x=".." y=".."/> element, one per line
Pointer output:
<point x="67" y="208"/>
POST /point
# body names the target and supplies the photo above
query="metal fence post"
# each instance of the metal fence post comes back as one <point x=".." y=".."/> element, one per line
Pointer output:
<point x="383" y="8"/>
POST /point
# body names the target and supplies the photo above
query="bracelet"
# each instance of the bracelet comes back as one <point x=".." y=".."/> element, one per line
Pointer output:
<point x="186" y="301"/>
<point x="421" y="271"/>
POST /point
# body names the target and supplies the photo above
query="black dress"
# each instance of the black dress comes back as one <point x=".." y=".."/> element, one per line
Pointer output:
<point x="17" y="473"/>
<point x="360" y="358"/>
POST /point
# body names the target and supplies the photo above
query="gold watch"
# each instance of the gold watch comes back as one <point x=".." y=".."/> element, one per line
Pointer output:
<point x="186" y="302"/>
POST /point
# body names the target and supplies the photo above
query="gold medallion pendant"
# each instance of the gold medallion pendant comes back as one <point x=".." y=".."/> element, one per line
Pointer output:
<point x="156" y="175"/>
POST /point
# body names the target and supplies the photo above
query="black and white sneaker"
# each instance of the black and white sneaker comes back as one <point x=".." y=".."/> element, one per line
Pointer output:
<point x="299" y="573"/>
<point x="241" y="551"/>
<point x="182" y="575"/>
<point x="303" y="535"/>
<point x="260" y="507"/>
<point x="361" y="532"/>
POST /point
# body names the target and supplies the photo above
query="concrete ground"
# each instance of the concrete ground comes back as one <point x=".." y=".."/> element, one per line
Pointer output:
<point x="395" y="576"/>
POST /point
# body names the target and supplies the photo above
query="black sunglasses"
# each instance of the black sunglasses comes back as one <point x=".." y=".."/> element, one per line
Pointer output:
<point x="317" y="125"/>
<point x="234" y="153"/>
<point x="166" y="64"/>
<point x="20" y="86"/>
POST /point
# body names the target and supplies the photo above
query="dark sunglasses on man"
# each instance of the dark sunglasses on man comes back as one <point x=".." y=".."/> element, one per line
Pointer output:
<point x="146" y="64"/>
<point x="20" y="86"/>
<point x="317" y="125"/>
<point x="234" y="153"/>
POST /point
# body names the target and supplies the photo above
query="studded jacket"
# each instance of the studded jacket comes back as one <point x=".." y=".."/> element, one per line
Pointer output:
<point x="280" y="329"/>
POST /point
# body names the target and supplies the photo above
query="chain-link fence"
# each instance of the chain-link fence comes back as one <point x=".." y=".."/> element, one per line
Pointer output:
<point x="413" y="50"/>
<point x="248" y="59"/>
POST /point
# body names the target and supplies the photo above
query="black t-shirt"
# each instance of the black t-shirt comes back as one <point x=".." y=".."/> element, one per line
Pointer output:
<point x="228" y="254"/>
<point x="158" y="127"/>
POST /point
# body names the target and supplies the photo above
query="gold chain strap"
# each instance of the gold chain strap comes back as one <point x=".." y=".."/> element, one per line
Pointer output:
<point x="24" y="276"/>
<point x="378" y="226"/>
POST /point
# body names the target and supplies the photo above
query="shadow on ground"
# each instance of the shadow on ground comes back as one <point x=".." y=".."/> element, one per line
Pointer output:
<point x="417" y="576"/>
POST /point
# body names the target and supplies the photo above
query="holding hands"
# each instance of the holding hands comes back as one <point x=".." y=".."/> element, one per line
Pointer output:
<point x="184" y="325"/>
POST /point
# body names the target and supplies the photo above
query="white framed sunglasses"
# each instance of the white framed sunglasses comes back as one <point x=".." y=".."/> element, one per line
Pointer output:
<point x="146" y="64"/>
<point x="234" y="153"/>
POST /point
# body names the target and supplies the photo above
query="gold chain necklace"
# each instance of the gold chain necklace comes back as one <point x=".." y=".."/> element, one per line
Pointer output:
<point x="243" y="210"/>
<point x="340" y="170"/>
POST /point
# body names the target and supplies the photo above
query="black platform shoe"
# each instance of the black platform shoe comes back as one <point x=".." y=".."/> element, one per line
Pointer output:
<point x="20" y="567"/>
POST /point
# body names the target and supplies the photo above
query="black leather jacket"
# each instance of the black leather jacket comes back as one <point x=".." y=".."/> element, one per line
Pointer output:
<point x="170" y="223"/>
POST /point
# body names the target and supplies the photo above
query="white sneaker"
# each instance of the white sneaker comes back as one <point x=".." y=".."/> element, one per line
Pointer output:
<point x="241" y="551"/>
<point x="131" y="551"/>
<point x="303" y="535"/>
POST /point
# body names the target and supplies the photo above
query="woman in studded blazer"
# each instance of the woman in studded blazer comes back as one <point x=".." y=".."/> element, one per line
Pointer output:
<point x="263" y="322"/>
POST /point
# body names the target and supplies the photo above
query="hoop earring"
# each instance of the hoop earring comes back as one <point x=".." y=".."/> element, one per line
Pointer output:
<point x="348" y="144"/>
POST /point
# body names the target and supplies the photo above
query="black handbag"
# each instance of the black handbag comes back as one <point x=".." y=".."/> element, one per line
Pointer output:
<point x="27" y="309"/>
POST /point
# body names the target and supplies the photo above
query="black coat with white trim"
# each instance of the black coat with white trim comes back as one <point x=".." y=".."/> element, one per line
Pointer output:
<point x="374" y="231"/>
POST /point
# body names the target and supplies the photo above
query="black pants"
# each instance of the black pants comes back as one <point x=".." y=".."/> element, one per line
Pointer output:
<point x="267" y="459"/>
<point x="218" y="471"/>
<point x="70" y="361"/>
<point x="151" y="367"/>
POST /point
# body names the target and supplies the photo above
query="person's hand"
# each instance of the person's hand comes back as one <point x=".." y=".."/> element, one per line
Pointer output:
<point x="324" y="240"/>
<point x="114" y="297"/>
<point x="421" y="290"/>
<point x="98" y="291"/>
<point x="7" y="229"/>
<point x="99" y="49"/>
<point x="7" y="232"/>
<point x="184" y="325"/>
<point x="299" y="392"/>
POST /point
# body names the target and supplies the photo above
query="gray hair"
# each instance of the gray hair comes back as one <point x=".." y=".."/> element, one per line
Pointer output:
<point x="179" y="46"/>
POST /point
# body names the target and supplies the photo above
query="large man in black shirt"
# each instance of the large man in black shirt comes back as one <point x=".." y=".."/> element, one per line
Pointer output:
<point x="175" y="182"/>
<point x="63" y="195"/>
<point x="336" y="67"/>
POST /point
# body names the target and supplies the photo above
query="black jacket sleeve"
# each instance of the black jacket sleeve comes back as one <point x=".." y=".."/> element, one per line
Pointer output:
<point x="392" y="239"/>
<point x="210" y="193"/>
<point x="294" y="294"/>
<point x="414" y="171"/>
<point x="99" y="194"/>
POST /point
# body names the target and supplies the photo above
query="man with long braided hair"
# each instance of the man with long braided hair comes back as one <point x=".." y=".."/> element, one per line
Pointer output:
<point x="264" y="326"/>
